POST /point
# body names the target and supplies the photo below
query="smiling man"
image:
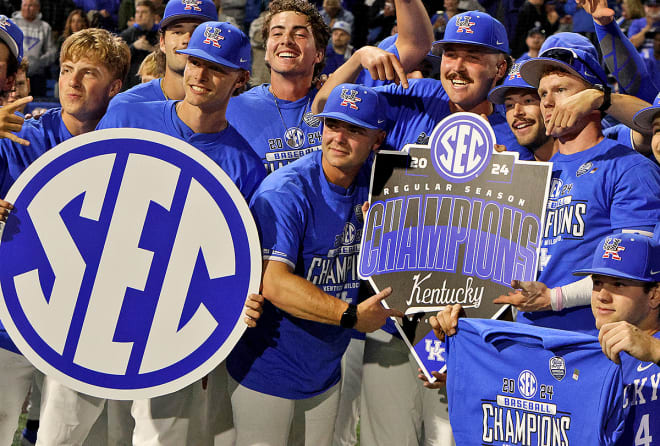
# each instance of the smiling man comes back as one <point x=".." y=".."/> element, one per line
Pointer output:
<point x="178" y="23"/>
<point x="523" y="114"/>
<point x="309" y="216"/>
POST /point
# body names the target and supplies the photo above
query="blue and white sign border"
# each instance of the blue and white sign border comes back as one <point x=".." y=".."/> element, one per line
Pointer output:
<point x="254" y="281"/>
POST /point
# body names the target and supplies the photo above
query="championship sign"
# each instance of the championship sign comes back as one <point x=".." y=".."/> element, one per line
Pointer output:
<point x="125" y="265"/>
<point x="451" y="222"/>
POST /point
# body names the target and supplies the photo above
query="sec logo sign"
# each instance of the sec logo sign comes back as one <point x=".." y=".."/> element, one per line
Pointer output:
<point x="461" y="146"/>
<point x="126" y="263"/>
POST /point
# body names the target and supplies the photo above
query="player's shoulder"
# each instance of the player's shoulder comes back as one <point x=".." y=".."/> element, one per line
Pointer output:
<point x="425" y="88"/>
<point x="148" y="91"/>
<point x="130" y="114"/>
<point x="296" y="179"/>
<point x="253" y="95"/>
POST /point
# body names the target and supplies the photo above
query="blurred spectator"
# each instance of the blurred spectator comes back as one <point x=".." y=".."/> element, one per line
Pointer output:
<point x="339" y="49"/>
<point x="470" y="5"/>
<point x="222" y="17"/>
<point x="534" y="41"/>
<point x="332" y="11"/>
<point x="649" y="23"/>
<point x="38" y="45"/>
<point x="142" y="38"/>
<point x="235" y="9"/>
<point x="630" y="10"/>
<point x="440" y="18"/>
<point x="126" y="14"/>
<point x="260" y="72"/>
<point x="152" y="67"/>
<point x="381" y="25"/>
<point x="105" y="10"/>
<point x="76" y="21"/>
<point x="532" y="15"/>
<point x="55" y="12"/>
<point x="21" y="87"/>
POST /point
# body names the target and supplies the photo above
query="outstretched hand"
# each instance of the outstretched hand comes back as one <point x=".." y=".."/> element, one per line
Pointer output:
<point x="372" y="315"/>
<point x="440" y="379"/>
<point x="11" y="123"/>
<point x="383" y="65"/>
<point x="598" y="10"/>
<point x="528" y="296"/>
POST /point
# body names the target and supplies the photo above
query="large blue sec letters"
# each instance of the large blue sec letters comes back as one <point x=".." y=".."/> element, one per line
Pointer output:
<point x="125" y="265"/>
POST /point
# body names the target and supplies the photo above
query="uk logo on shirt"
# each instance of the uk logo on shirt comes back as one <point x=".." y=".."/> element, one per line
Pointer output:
<point x="349" y="98"/>
<point x="213" y="36"/>
<point x="465" y="24"/>
<point x="125" y="265"/>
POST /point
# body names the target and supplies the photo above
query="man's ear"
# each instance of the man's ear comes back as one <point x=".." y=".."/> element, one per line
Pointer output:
<point x="9" y="83"/>
<point x="379" y="140"/>
<point x="115" y="87"/>
<point x="654" y="297"/>
<point x="501" y="70"/>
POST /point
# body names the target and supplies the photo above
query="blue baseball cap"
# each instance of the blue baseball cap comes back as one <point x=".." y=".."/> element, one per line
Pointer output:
<point x="643" y="119"/>
<point x="356" y="104"/>
<point x="569" y="51"/>
<point x="12" y="35"/>
<point x="628" y="256"/>
<point x="202" y="10"/>
<point x="513" y="79"/>
<point x="475" y="28"/>
<point x="221" y="43"/>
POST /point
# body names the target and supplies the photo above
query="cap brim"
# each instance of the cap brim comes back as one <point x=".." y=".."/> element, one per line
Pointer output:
<point x="201" y="54"/>
<point x="349" y="119"/>
<point x="643" y="119"/>
<point x="440" y="44"/>
<point x="197" y="17"/>
<point x="532" y="69"/>
<point x="611" y="272"/>
<point x="11" y="44"/>
<point x="497" y="94"/>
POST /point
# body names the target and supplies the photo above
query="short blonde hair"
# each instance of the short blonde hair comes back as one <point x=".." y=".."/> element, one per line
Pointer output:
<point x="153" y="65"/>
<point x="100" y="46"/>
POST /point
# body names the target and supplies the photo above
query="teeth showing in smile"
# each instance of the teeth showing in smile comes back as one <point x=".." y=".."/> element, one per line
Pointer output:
<point x="287" y="55"/>
<point x="197" y="89"/>
<point x="459" y="82"/>
<point x="522" y="125"/>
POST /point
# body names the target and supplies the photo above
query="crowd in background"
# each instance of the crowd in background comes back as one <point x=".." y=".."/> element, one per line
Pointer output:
<point x="354" y="24"/>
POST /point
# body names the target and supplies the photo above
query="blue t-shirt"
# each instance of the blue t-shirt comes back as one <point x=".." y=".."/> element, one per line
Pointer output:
<point x="641" y="401"/>
<point x="635" y="27"/>
<point x="593" y="193"/>
<point x="279" y="131"/>
<point x="146" y="92"/>
<point x="227" y="148"/>
<point x="315" y="227"/>
<point x="43" y="134"/>
<point x="511" y="384"/>
<point x="413" y="113"/>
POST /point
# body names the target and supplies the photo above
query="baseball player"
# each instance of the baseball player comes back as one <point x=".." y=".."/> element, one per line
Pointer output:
<point x="395" y="408"/>
<point x="592" y="192"/>
<point x="310" y="219"/>
<point x="277" y="118"/>
<point x="93" y="64"/>
<point x="180" y="19"/>
<point x="218" y="63"/>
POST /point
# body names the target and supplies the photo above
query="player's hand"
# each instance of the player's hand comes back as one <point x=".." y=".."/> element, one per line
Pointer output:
<point x="36" y="113"/>
<point x="371" y="314"/>
<point x="500" y="148"/>
<point x="382" y="65"/>
<point x="319" y="81"/>
<point x="254" y="306"/>
<point x="10" y="122"/>
<point x="528" y="296"/>
<point x="598" y="10"/>
<point x="365" y="209"/>
<point x="5" y="210"/>
<point x="439" y="383"/>
<point x="568" y="111"/>
<point x="143" y="44"/>
<point x="446" y="321"/>
<point x="617" y="337"/>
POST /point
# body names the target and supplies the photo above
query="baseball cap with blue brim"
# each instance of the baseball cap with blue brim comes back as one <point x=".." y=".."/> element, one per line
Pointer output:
<point x="474" y="28"/>
<point x="628" y="256"/>
<point x="12" y="35"/>
<point x="569" y="51"/>
<point x="355" y="104"/>
<point x="203" y="10"/>
<point x="643" y="119"/>
<point x="513" y="79"/>
<point x="221" y="43"/>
